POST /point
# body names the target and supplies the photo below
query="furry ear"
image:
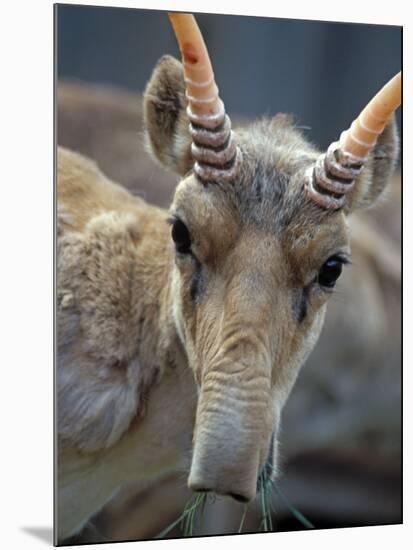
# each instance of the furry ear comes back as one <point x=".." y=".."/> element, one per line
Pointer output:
<point x="377" y="171"/>
<point x="166" y="122"/>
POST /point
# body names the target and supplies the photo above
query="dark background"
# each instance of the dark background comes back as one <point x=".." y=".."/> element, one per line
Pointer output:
<point x="301" y="67"/>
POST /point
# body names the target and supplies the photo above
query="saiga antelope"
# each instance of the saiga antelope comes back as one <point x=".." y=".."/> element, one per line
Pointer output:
<point x="181" y="333"/>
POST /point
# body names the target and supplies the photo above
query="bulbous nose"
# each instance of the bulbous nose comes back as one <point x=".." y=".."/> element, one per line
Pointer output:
<point x="221" y="466"/>
<point x="234" y="418"/>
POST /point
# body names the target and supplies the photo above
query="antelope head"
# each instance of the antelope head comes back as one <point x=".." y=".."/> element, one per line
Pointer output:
<point x="259" y="227"/>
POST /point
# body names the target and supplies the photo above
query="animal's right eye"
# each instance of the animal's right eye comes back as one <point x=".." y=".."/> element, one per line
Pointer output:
<point x="181" y="236"/>
<point x="331" y="271"/>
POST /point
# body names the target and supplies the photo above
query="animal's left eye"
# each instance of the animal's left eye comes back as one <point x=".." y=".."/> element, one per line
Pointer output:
<point x="330" y="271"/>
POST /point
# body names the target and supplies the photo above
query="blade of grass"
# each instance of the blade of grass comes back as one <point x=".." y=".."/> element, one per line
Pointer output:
<point x="265" y="485"/>
<point x="263" y="511"/>
<point x="168" y="529"/>
<point x="244" y="515"/>
<point x="263" y="488"/>
<point x="195" y="512"/>
<point x="268" y="507"/>
<point x="187" y="518"/>
<point x="296" y="513"/>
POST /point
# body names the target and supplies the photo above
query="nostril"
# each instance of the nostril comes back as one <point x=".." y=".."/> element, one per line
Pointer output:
<point x="239" y="498"/>
<point x="201" y="488"/>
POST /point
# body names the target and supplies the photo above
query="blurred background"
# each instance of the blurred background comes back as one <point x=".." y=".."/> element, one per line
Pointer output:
<point x="341" y="430"/>
<point x="321" y="72"/>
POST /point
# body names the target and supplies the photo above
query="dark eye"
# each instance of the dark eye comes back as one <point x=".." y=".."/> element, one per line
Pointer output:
<point x="181" y="237"/>
<point x="330" y="272"/>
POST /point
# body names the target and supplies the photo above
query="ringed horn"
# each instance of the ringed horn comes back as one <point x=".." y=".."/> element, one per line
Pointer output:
<point x="333" y="175"/>
<point x="217" y="156"/>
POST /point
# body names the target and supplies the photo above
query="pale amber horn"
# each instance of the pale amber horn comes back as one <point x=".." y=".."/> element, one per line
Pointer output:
<point x="214" y="149"/>
<point x="202" y="92"/>
<point x="366" y="128"/>
<point x="332" y="177"/>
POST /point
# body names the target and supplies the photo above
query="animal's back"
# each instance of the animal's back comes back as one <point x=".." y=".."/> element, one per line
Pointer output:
<point x="108" y="353"/>
<point x="104" y="356"/>
<point x="84" y="192"/>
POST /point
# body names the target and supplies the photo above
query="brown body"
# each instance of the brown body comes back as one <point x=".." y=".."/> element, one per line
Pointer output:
<point x="115" y="339"/>
<point x="142" y="326"/>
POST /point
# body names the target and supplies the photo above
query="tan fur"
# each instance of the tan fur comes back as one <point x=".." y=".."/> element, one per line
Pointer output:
<point x="136" y="343"/>
<point x="115" y="340"/>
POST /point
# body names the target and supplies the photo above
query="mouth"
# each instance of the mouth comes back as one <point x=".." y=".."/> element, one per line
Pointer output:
<point x="265" y="478"/>
<point x="266" y="489"/>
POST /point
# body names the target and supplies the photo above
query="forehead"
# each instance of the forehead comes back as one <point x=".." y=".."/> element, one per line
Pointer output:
<point x="268" y="195"/>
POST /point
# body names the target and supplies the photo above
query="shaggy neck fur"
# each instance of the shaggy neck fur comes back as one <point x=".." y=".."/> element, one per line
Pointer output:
<point x="121" y="364"/>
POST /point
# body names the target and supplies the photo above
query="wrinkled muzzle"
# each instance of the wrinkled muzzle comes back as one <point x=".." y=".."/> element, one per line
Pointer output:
<point x="234" y="423"/>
